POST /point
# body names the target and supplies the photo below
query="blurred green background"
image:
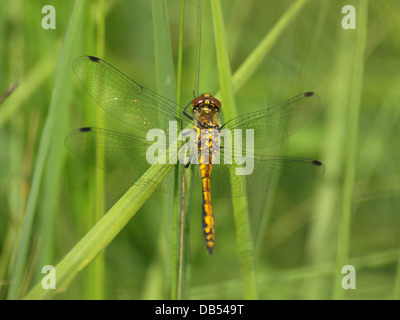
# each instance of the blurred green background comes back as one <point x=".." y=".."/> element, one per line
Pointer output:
<point x="302" y="235"/>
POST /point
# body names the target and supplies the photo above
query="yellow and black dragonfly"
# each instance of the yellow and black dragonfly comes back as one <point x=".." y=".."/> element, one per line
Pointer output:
<point x="233" y="175"/>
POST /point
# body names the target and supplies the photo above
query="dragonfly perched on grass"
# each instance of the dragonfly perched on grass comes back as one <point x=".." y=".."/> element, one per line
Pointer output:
<point x="126" y="155"/>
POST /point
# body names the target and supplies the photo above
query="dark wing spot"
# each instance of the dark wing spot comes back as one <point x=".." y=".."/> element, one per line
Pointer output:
<point x="309" y="94"/>
<point x="86" y="129"/>
<point x="95" y="59"/>
<point x="317" y="163"/>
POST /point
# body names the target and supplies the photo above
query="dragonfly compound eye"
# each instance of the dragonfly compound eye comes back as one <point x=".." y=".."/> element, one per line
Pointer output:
<point x="216" y="103"/>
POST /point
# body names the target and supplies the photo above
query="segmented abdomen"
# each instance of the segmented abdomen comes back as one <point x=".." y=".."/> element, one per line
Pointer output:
<point x="206" y="140"/>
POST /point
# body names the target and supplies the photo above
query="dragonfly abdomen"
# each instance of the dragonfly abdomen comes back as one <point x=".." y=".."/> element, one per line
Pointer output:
<point x="208" y="217"/>
<point x="205" y="161"/>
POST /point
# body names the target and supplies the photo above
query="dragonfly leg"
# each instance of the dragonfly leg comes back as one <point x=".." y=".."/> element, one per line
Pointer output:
<point x="189" y="161"/>
<point x="187" y="114"/>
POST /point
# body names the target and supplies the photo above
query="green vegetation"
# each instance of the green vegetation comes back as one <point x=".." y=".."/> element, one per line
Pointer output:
<point x="288" y="244"/>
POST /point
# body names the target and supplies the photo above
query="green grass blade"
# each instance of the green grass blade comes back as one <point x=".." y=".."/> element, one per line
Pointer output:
<point x="97" y="239"/>
<point x="95" y="273"/>
<point x="180" y="53"/>
<point x="29" y="84"/>
<point x="184" y="266"/>
<point x="180" y="220"/>
<point x="255" y="58"/>
<point x="351" y="150"/>
<point x="56" y="104"/>
<point x="240" y="208"/>
<point x="166" y="87"/>
<point x="198" y="47"/>
<point x="321" y="246"/>
<point x="163" y="51"/>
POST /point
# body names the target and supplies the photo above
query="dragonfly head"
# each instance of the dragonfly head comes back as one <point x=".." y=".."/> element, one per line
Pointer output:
<point x="206" y="104"/>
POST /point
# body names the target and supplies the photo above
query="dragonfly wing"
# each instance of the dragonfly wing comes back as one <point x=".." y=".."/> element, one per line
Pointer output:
<point x="122" y="155"/>
<point x="274" y="125"/>
<point x="267" y="172"/>
<point x="123" y="98"/>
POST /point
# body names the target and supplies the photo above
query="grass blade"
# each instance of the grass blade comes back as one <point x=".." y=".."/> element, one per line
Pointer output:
<point x="95" y="273"/>
<point x="56" y="104"/>
<point x="181" y="221"/>
<point x="180" y="53"/>
<point x="240" y="208"/>
<point x="255" y="58"/>
<point x="166" y="87"/>
<point x="97" y="239"/>
<point x="198" y="47"/>
<point x="351" y="150"/>
<point x="33" y="80"/>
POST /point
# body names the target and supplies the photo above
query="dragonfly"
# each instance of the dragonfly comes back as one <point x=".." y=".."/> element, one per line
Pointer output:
<point x="126" y="155"/>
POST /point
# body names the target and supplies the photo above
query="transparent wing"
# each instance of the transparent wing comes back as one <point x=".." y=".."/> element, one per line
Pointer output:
<point x="274" y="125"/>
<point x="123" y="98"/>
<point x="267" y="172"/>
<point x="123" y="155"/>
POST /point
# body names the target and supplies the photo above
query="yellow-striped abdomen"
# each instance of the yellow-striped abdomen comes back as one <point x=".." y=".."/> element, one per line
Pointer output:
<point x="208" y="217"/>
<point x="206" y="139"/>
<point x="205" y="110"/>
